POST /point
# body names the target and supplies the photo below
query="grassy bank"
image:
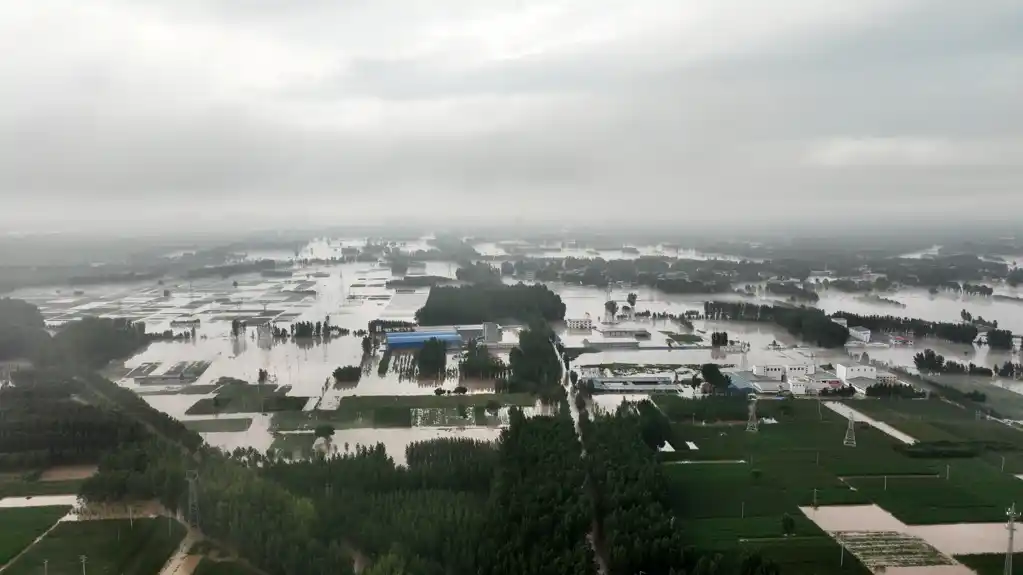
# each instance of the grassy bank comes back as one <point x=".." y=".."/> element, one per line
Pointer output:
<point x="22" y="488"/>
<point x="21" y="526"/>
<point x="218" y="425"/>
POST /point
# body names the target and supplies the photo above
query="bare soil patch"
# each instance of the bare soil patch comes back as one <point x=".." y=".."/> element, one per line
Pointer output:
<point x="68" y="472"/>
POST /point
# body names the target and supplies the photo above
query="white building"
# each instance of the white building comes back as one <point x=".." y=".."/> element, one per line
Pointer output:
<point x="851" y="371"/>
<point x="813" y="384"/>
<point x="840" y="321"/>
<point x="802" y="369"/>
<point x="859" y="333"/>
<point x="775" y="372"/>
<point x="575" y="323"/>
<point x="886" y="378"/>
<point x="633" y="332"/>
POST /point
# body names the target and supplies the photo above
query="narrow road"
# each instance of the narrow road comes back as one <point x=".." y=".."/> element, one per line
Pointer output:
<point x="180" y="562"/>
<point x="566" y="381"/>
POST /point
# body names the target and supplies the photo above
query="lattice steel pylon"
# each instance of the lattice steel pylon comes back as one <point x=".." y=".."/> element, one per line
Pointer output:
<point x="753" y="424"/>
<point x="1013" y="515"/>
<point x="192" y="477"/>
<point x="850" y="433"/>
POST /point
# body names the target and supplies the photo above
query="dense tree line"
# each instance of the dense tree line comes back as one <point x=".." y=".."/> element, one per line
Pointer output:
<point x="347" y="374"/>
<point x="429" y="514"/>
<point x="22" y="330"/>
<point x="791" y="290"/>
<point x="260" y="520"/>
<point x="93" y="342"/>
<point x="46" y="423"/>
<point x="719" y="338"/>
<point x="479" y="303"/>
<point x="477" y="362"/>
<point x="807" y="323"/>
<point x="889" y="391"/>
<point x="534" y="364"/>
<point x="432" y="358"/>
<point x="930" y="362"/>
<point x="1011" y="370"/>
<point x="954" y="332"/>
<point x="999" y="338"/>
<point x="630" y="495"/>
<point x="479" y="272"/>
<point x="376" y="326"/>
<point x="538" y="511"/>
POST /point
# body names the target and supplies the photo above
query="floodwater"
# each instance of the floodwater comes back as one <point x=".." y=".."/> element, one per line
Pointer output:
<point x="950" y="539"/>
<point x="353" y="294"/>
<point x="38" y="501"/>
<point x="943" y="306"/>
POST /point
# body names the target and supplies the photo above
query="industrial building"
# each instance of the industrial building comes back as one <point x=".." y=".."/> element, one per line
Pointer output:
<point x="416" y="339"/>
<point x="634" y="383"/>
<point x="845" y="372"/>
<point x="859" y="334"/>
<point x="634" y="332"/>
<point x="486" y="332"/>
<point x="579" y="323"/>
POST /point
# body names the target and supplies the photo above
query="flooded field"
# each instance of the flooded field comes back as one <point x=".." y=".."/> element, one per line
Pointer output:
<point x="353" y="294"/>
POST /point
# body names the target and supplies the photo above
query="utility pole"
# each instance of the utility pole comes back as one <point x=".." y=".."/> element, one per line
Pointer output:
<point x="82" y="558"/>
<point x="1012" y="514"/>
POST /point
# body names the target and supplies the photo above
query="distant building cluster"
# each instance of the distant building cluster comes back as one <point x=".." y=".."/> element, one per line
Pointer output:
<point x="808" y="379"/>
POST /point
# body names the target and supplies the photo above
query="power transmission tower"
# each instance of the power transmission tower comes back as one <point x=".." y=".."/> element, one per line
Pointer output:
<point x="752" y="425"/>
<point x="850" y="433"/>
<point x="1012" y="514"/>
<point x="192" y="477"/>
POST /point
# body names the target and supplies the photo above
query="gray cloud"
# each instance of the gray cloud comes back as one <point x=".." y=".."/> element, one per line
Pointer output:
<point x="147" y="110"/>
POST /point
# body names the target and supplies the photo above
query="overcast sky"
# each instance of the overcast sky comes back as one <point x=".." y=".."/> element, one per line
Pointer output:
<point x="319" y="111"/>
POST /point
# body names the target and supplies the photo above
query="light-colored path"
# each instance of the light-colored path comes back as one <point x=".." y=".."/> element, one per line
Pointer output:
<point x="845" y="411"/>
<point x="180" y="562"/>
<point x="951" y="538"/>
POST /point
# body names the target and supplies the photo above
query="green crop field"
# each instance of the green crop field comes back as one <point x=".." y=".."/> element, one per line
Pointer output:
<point x="384" y="411"/>
<point x="224" y="424"/>
<point x="973" y="492"/>
<point x="21" y="526"/>
<point x="113" y="546"/>
<point x="210" y="567"/>
<point x="991" y="563"/>
<point x="22" y="488"/>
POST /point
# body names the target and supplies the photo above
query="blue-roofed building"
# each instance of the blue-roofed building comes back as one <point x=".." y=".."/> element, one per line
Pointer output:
<point x="416" y="340"/>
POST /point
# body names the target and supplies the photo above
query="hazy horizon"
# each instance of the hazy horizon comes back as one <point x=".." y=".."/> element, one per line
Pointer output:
<point x="194" y="115"/>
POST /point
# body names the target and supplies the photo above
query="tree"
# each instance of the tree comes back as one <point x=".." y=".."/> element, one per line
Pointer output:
<point x="718" y="381"/>
<point x="390" y="564"/>
<point x="431" y="360"/>
<point x="788" y="524"/>
<point x="262" y="376"/>
<point x="325" y="430"/>
<point x="367" y="345"/>
<point x="611" y="307"/>
<point x="631" y="298"/>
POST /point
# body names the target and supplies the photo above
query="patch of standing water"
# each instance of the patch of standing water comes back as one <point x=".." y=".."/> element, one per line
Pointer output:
<point x="38" y="501"/>
<point x="951" y="538"/>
